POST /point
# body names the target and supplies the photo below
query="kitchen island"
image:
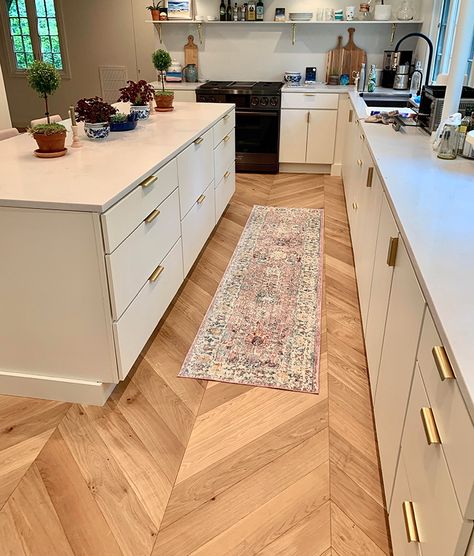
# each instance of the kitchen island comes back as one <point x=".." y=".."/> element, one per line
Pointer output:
<point x="96" y="244"/>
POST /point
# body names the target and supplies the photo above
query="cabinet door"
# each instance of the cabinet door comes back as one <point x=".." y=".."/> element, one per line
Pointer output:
<point x="293" y="134"/>
<point x="353" y="176"/>
<point x="321" y="136"/>
<point x="379" y="293"/>
<point x="402" y="332"/>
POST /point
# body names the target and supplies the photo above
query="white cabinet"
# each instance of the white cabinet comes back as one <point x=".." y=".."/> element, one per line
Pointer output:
<point x="321" y="136"/>
<point x="293" y="135"/>
<point x="224" y="190"/>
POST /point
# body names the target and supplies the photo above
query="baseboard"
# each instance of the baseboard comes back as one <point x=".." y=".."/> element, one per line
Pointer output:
<point x="336" y="169"/>
<point x="290" y="168"/>
<point x="52" y="388"/>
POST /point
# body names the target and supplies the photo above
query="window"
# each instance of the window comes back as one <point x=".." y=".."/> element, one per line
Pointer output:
<point x="34" y="33"/>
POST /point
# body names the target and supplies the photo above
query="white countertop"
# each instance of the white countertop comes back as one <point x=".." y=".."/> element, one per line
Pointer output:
<point x="433" y="203"/>
<point x="317" y="88"/>
<point x="96" y="176"/>
<point x="177" y="85"/>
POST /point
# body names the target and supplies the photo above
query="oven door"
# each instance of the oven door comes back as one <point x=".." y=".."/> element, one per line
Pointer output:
<point x="257" y="138"/>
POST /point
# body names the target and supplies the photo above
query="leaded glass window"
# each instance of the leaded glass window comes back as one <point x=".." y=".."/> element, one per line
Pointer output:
<point x="20" y="33"/>
<point x="48" y="33"/>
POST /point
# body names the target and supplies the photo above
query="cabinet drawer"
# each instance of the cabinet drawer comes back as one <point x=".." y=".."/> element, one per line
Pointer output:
<point x="224" y="190"/>
<point x="121" y="219"/>
<point x="440" y="525"/>
<point x="196" y="227"/>
<point x="224" y="155"/>
<point x="223" y="127"/>
<point x="129" y="266"/>
<point x="310" y="100"/>
<point x="195" y="170"/>
<point x="455" y="427"/>
<point x="135" y="326"/>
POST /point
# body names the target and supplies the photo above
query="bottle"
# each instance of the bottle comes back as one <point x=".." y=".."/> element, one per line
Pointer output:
<point x="415" y="82"/>
<point x="222" y="12"/>
<point x="229" y="11"/>
<point x="364" y="11"/>
<point x="462" y="132"/>
<point x="405" y="12"/>
<point x="448" y="146"/>
<point x="259" y="10"/>
<point x="251" y="10"/>
<point x="372" y="79"/>
<point x="236" y="12"/>
<point x="239" y="13"/>
<point x="361" y="83"/>
<point x="244" y="12"/>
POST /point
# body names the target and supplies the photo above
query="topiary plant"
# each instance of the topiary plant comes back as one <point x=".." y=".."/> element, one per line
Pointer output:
<point x="47" y="129"/>
<point x="43" y="78"/>
<point x="161" y="61"/>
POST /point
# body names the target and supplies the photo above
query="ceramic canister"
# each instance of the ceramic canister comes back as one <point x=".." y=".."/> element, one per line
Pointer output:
<point x="350" y="13"/>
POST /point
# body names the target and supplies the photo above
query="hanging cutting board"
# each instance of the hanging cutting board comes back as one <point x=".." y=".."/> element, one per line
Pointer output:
<point x="353" y="56"/>
<point x="190" y="52"/>
<point x="335" y="59"/>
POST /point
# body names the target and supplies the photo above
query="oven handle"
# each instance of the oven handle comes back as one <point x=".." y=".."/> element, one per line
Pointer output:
<point x="270" y="113"/>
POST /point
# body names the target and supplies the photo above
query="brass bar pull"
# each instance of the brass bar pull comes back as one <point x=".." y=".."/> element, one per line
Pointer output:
<point x="227" y="174"/>
<point x="198" y="141"/>
<point x="200" y="199"/>
<point x="226" y="117"/>
<point x="227" y="138"/>
<point x="361" y="137"/>
<point x="359" y="162"/>
<point x="355" y="206"/>
<point x="442" y="363"/>
<point x="429" y="424"/>
<point x="310" y="94"/>
<point x="410" y="522"/>
<point x="392" y="251"/>
<point x="370" y="176"/>
<point x="158" y="270"/>
<point x="307" y="117"/>
<point x="152" y="216"/>
<point x="351" y="115"/>
<point x="148" y="181"/>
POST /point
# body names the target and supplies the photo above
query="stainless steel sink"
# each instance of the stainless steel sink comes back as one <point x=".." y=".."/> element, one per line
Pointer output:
<point x="382" y="99"/>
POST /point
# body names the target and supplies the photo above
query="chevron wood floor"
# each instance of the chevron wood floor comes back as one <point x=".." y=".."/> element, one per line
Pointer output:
<point x="178" y="467"/>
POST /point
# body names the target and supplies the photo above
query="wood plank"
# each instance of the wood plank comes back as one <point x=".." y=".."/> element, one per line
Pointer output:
<point x="11" y="542"/>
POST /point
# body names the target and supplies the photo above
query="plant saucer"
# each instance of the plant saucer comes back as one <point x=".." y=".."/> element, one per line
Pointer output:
<point x="164" y="109"/>
<point x="57" y="154"/>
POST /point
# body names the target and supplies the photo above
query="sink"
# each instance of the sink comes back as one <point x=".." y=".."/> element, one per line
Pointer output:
<point x="389" y="100"/>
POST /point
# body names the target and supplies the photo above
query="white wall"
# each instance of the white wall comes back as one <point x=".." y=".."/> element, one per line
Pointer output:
<point x="4" y="111"/>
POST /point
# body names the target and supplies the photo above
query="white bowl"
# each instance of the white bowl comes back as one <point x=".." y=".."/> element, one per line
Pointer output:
<point x="212" y="18"/>
<point x="301" y="16"/>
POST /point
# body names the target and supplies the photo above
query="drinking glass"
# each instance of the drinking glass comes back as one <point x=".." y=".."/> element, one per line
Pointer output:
<point x="328" y="14"/>
<point x="319" y="14"/>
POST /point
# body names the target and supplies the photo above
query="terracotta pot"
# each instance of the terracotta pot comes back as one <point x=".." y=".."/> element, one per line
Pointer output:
<point x="164" y="103"/>
<point x="50" y="143"/>
<point x="155" y="15"/>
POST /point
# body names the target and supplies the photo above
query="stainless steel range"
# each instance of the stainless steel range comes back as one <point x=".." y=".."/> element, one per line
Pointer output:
<point x="257" y="126"/>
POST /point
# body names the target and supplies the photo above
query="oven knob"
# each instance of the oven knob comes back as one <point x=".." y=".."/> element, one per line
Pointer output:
<point x="274" y="101"/>
<point x="254" y="101"/>
<point x="264" y="101"/>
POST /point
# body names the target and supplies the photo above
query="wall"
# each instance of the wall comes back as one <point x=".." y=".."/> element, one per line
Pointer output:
<point x="5" y="121"/>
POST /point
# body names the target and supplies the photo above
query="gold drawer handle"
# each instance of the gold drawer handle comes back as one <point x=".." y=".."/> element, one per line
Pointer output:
<point x="152" y="216"/>
<point x="361" y="137"/>
<point x="200" y="199"/>
<point x="148" y="181"/>
<point x="370" y="176"/>
<point x="227" y="138"/>
<point x="351" y="115"/>
<point x="158" y="270"/>
<point x="310" y="94"/>
<point x="359" y="162"/>
<point x="429" y="424"/>
<point x="226" y="175"/>
<point x="442" y="363"/>
<point x="355" y="206"/>
<point x="198" y="141"/>
<point x="410" y="521"/>
<point x="392" y="251"/>
<point x="226" y="117"/>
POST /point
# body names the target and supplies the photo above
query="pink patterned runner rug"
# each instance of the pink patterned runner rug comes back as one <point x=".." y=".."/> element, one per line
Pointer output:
<point x="263" y="327"/>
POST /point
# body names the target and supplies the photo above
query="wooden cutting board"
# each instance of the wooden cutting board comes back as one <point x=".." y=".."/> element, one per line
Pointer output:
<point x="190" y="52"/>
<point x="335" y="59"/>
<point x="353" y="56"/>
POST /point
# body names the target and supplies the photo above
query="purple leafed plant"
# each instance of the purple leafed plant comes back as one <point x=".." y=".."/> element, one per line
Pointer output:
<point x="138" y="93"/>
<point x="94" y="110"/>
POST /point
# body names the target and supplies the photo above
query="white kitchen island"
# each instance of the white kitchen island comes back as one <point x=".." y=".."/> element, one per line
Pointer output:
<point x="95" y="245"/>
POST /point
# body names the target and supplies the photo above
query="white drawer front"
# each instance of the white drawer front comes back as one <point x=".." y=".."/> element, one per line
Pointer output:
<point x="223" y="127"/>
<point x="196" y="227"/>
<point x="121" y="219"/>
<point x="130" y="265"/>
<point x="224" y="155"/>
<point x="310" y="100"/>
<point x="135" y="326"/>
<point x="224" y="190"/>
<point x="195" y="170"/>
<point x="452" y="418"/>
<point x="441" y="528"/>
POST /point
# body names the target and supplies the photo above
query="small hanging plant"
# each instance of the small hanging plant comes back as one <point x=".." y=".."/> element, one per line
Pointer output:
<point x="138" y="93"/>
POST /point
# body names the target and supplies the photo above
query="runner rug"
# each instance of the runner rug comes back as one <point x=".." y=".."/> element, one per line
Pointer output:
<point x="263" y="327"/>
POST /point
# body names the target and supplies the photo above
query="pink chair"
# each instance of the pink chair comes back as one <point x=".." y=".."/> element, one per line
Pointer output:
<point x="53" y="119"/>
<point x="7" y="133"/>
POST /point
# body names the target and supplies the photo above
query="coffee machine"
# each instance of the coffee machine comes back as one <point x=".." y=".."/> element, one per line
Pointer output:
<point x="391" y="60"/>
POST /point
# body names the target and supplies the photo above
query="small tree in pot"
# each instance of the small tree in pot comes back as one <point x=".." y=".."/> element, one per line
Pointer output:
<point x="139" y="95"/>
<point x="164" y="99"/>
<point x="95" y="113"/>
<point x="44" y="78"/>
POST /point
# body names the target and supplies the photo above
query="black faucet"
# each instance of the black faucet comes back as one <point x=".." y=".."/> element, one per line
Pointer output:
<point x="430" y="55"/>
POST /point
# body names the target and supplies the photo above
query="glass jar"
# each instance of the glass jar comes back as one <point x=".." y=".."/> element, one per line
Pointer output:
<point x="406" y="11"/>
<point x="448" y="146"/>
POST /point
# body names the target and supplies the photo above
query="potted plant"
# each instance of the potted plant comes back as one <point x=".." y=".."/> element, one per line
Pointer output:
<point x="154" y="10"/>
<point x="164" y="99"/>
<point x="44" y="78"/>
<point x="123" y="122"/>
<point x="96" y="114"/>
<point x="139" y="95"/>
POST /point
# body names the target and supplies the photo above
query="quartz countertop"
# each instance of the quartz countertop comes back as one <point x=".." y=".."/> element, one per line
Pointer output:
<point x="177" y="85"/>
<point x="433" y="203"/>
<point x="317" y="88"/>
<point x="100" y="173"/>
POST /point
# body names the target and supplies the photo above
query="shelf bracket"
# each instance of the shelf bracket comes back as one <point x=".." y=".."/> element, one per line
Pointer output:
<point x="199" y="30"/>
<point x="158" y="28"/>
<point x="392" y="36"/>
<point x="293" y="33"/>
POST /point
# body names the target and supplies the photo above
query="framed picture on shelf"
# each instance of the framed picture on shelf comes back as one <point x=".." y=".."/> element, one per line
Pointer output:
<point x="280" y="14"/>
<point x="180" y="9"/>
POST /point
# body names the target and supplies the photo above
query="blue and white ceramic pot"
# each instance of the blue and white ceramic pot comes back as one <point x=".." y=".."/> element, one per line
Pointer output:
<point x="142" y="112"/>
<point x="293" y="78"/>
<point x="97" y="131"/>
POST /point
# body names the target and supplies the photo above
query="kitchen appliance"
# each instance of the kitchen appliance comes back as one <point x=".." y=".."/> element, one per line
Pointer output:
<point x="402" y="78"/>
<point x="257" y="120"/>
<point x="432" y="101"/>
<point x="391" y="60"/>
